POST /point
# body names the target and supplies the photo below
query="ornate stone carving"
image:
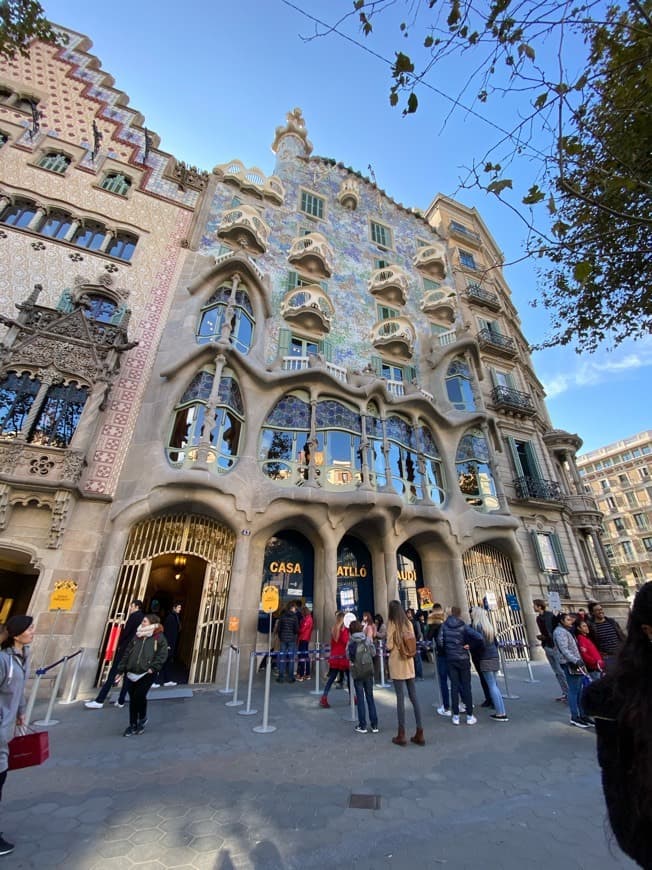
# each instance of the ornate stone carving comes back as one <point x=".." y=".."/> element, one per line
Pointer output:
<point x="4" y="505"/>
<point x="59" y="516"/>
<point x="41" y="465"/>
<point x="188" y="176"/>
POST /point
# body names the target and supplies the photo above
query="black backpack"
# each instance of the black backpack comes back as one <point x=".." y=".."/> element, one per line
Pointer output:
<point x="362" y="665"/>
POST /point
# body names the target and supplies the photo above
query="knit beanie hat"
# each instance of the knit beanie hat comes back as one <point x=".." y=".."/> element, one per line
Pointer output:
<point x="16" y="625"/>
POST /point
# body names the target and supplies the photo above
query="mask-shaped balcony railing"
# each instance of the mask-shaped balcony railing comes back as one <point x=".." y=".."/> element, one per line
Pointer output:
<point x="396" y="334"/>
<point x="309" y="307"/>
<point x="312" y="253"/>
<point x="389" y="284"/>
<point x="431" y="260"/>
<point x="245" y="227"/>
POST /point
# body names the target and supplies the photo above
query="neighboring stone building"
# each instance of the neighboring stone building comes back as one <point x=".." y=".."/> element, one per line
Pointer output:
<point x="619" y="477"/>
<point x="330" y="391"/>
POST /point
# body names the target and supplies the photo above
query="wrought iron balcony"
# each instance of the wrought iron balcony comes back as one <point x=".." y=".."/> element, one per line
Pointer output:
<point x="312" y="253"/>
<point x="244" y="226"/>
<point x="514" y="401"/>
<point x="461" y="232"/>
<point x="476" y="293"/>
<point x="389" y="284"/>
<point x="503" y="345"/>
<point x="537" y="488"/>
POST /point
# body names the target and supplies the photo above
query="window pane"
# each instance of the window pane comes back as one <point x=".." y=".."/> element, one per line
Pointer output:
<point x="17" y="396"/>
<point x="59" y="416"/>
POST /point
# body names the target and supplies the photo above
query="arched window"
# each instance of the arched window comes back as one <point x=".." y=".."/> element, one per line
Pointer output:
<point x="116" y="182"/>
<point x="474" y="472"/>
<point x="241" y="323"/>
<point x="122" y="246"/>
<point x="459" y="385"/>
<point x="59" y="415"/>
<point x="91" y="236"/>
<point x="17" y="394"/>
<point x="434" y="475"/>
<point x="338" y="461"/>
<point x="19" y="214"/>
<point x="55" y="161"/>
<point x="56" y="225"/>
<point x="193" y="417"/>
<point x="284" y="449"/>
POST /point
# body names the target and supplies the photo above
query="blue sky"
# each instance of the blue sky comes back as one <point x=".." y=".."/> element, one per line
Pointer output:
<point x="214" y="79"/>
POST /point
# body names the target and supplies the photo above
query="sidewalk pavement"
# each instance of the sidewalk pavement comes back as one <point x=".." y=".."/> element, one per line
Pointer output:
<point x="199" y="789"/>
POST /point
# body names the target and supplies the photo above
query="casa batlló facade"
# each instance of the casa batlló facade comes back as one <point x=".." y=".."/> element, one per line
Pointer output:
<point x="216" y="381"/>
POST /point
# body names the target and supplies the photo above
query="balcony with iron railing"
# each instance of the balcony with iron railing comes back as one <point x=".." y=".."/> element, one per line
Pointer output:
<point x="252" y="179"/>
<point x="496" y="342"/>
<point x="513" y="401"/>
<point x="245" y="227"/>
<point x="459" y="231"/>
<point x="313" y="254"/>
<point x="389" y="284"/>
<point x="537" y="489"/>
<point x="486" y="298"/>
<point x="394" y="335"/>
<point x="299" y="363"/>
<point x="309" y="307"/>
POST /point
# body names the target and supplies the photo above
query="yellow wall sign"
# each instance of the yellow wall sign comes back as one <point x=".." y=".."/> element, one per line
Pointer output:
<point x="234" y="623"/>
<point x="269" y="599"/>
<point x="62" y="596"/>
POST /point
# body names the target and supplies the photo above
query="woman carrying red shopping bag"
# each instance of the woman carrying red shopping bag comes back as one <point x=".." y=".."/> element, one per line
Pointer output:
<point x="14" y="667"/>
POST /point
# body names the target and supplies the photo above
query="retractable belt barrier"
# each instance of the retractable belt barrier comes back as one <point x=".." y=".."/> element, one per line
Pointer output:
<point x="38" y="674"/>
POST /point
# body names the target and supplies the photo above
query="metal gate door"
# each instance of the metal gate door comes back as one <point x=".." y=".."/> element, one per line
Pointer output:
<point x="191" y="535"/>
<point x="486" y="569"/>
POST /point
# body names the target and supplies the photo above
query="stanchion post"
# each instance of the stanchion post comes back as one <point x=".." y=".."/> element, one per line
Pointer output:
<point x="506" y="694"/>
<point x="234" y="701"/>
<point x="32" y="696"/>
<point x="250" y="683"/>
<point x="70" y="699"/>
<point x="55" y="690"/>
<point x="529" y="665"/>
<point x="382" y="684"/>
<point x="352" y="717"/>
<point x="317" y="690"/>
<point x="266" y="728"/>
<point x="440" y="701"/>
<point x="227" y="690"/>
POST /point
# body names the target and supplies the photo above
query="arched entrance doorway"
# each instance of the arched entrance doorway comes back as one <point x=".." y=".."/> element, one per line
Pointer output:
<point x="490" y="581"/>
<point x="183" y="558"/>
<point x="289" y="565"/>
<point x="355" y="583"/>
<point x="17" y="583"/>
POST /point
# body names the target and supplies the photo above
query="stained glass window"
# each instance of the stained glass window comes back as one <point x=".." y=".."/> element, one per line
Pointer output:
<point x="474" y="472"/>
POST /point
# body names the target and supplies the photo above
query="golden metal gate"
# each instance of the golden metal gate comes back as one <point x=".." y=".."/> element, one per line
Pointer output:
<point x="486" y="569"/>
<point x="190" y="535"/>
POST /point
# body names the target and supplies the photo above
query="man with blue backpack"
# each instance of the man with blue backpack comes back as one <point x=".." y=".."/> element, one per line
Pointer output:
<point x="361" y="651"/>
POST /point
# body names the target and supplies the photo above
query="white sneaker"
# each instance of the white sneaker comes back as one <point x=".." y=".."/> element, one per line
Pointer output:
<point x="455" y="720"/>
<point x="443" y="711"/>
<point x="93" y="705"/>
<point x="462" y="707"/>
<point x="170" y="683"/>
<point x="156" y="685"/>
<point x="471" y="720"/>
<point x="118" y="704"/>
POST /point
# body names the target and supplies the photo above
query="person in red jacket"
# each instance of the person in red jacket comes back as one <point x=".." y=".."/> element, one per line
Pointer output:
<point x="338" y="661"/>
<point x="303" y="642"/>
<point x="589" y="651"/>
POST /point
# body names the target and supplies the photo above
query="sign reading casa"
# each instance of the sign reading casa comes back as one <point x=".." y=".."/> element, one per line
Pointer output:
<point x="285" y="568"/>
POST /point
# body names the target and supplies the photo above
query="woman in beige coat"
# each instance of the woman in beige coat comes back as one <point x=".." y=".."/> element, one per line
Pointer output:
<point x="402" y="671"/>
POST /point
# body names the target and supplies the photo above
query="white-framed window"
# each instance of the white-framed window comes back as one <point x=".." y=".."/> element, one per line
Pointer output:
<point x="619" y="525"/>
<point x="385" y="312"/>
<point x="312" y="204"/>
<point x="647" y="543"/>
<point x="632" y="501"/>
<point x="550" y="556"/>
<point x="467" y="259"/>
<point x="628" y="549"/>
<point x="643" y="472"/>
<point x="641" y="521"/>
<point x="623" y="480"/>
<point x="381" y="234"/>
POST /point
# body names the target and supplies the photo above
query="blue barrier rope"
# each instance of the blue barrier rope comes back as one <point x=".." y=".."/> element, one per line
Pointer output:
<point x="40" y="671"/>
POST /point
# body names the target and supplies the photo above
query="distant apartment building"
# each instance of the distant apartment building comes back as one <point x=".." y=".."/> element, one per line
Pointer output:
<point x="619" y="476"/>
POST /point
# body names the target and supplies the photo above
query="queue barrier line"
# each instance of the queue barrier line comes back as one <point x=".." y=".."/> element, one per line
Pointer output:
<point x="41" y="672"/>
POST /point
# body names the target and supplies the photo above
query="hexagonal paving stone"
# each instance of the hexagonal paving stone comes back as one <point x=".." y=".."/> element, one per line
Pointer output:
<point x="207" y="844"/>
<point x="114" y="848"/>
<point x="146" y="835"/>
